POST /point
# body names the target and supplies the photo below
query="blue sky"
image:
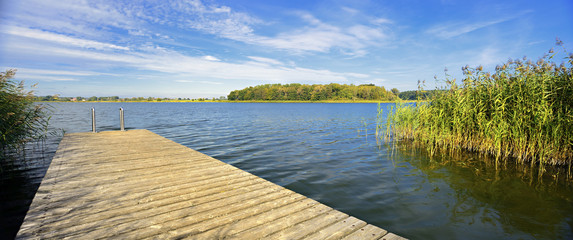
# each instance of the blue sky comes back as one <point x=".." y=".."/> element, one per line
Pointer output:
<point x="207" y="48"/>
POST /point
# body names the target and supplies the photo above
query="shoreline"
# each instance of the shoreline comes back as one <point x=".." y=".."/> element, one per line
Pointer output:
<point x="243" y="101"/>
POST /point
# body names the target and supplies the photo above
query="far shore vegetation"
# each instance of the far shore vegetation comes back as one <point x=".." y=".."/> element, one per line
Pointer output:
<point x="197" y="100"/>
<point x="313" y="93"/>
<point x="57" y="98"/>
<point x="288" y="93"/>
<point x="522" y="112"/>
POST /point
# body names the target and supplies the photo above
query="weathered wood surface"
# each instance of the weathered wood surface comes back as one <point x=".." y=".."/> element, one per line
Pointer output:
<point x="137" y="184"/>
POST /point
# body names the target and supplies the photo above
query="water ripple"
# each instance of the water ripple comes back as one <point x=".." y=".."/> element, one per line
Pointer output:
<point x="328" y="152"/>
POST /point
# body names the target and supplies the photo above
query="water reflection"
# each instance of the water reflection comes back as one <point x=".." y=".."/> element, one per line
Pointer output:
<point x="509" y="201"/>
<point x="20" y="177"/>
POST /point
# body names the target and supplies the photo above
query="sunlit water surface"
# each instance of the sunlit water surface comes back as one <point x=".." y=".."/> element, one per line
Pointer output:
<point x="329" y="152"/>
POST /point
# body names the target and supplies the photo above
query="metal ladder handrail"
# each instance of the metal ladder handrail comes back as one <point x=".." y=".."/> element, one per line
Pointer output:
<point x="121" y="123"/>
<point x="121" y="120"/>
<point x="93" y="120"/>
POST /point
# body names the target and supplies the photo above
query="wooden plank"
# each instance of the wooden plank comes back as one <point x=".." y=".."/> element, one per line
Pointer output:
<point x="107" y="209"/>
<point x="220" y="226"/>
<point x="281" y="224"/>
<point x="295" y="203"/>
<point x="128" y="218"/>
<point x="309" y="226"/>
<point x="339" y="229"/>
<point x="366" y="232"/>
<point x="137" y="185"/>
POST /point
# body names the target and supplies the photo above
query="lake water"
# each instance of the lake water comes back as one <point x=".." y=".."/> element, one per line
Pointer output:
<point x="329" y="152"/>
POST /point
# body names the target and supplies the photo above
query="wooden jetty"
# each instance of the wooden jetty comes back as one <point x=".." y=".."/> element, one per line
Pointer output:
<point x="138" y="185"/>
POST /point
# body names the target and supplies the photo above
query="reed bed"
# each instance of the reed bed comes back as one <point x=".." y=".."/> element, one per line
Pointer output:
<point x="21" y="121"/>
<point x="523" y="112"/>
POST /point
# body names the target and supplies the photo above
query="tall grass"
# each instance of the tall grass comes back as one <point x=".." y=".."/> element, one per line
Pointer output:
<point x="21" y="121"/>
<point x="523" y="112"/>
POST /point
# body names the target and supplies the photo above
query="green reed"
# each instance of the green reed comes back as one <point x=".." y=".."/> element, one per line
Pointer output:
<point x="21" y="121"/>
<point x="522" y="112"/>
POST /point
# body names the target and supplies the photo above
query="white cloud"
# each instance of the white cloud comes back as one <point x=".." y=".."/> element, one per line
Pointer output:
<point x="78" y="17"/>
<point x="199" y="7"/>
<point x="175" y="63"/>
<point x="315" y="39"/>
<point x="201" y="82"/>
<point x="48" y="78"/>
<point x="365" y="33"/>
<point x="84" y="35"/>
<point x="315" y="36"/>
<point x="350" y="10"/>
<point x="56" y="72"/>
<point x="356" y="75"/>
<point x="58" y="38"/>
<point x="309" y="18"/>
<point x="33" y="74"/>
<point x="265" y="60"/>
<point x="213" y="19"/>
<point x="211" y="58"/>
<point x="324" y="38"/>
<point x="96" y="19"/>
<point x="454" y="29"/>
<point x="172" y="62"/>
<point x="381" y="21"/>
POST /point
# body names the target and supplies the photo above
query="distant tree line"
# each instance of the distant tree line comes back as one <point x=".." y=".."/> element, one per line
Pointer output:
<point x="48" y="98"/>
<point x="57" y="98"/>
<point x="315" y="92"/>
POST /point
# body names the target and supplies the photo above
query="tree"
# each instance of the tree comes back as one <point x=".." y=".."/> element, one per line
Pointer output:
<point x="395" y="91"/>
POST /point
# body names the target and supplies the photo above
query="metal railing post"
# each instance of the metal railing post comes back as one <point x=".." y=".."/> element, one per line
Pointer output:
<point x="121" y="121"/>
<point x="93" y="120"/>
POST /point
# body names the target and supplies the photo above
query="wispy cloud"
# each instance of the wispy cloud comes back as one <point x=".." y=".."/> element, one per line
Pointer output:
<point x="315" y="36"/>
<point x="381" y="21"/>
<point x="350" y="10"/>
<point x="81" y="18"/>
<point x="58" y="38"/>
<point x="46" y="78"/>
<point x="97" y="20"/>
<point x="54" y="75"/>
<point x="202" y="82"/>
<point x="211" y="58"/>
<point x="322" y="37"/>
<point x="194" y="14"/>
<point x="173" y="62"/>
<point x="57" y="72"/>
<point x="454" y="29"/>
<point x="265" y="60"/>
